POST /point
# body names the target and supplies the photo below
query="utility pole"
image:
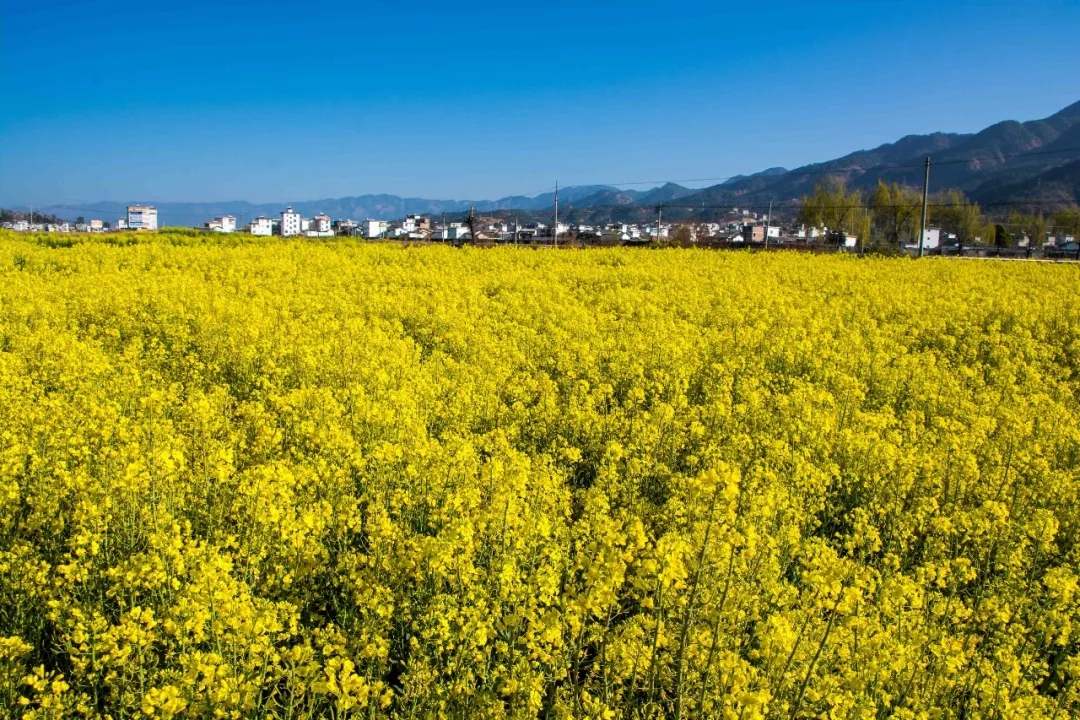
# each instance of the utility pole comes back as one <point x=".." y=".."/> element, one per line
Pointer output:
<point x="925" y="204"/>
<point x="659" y="219"/>
<point x="768" y="222"/>
<point x="555" y="229"/>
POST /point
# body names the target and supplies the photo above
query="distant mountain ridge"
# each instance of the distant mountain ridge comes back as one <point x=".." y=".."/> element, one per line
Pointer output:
<point x="1023" y="162"/>
<point x="376" y="207"/>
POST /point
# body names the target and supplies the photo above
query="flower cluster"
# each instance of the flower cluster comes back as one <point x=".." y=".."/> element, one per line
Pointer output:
<point x="297" y="480"/>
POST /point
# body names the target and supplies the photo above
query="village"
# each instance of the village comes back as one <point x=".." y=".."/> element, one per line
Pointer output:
<point x="741" y="226"/>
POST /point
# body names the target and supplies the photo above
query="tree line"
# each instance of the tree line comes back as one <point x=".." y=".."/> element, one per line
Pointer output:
<point x="892" y="213"/>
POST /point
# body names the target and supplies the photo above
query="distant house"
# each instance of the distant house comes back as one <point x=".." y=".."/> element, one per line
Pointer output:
<point x="374" y="228"/>
<point x="753" y="233"/>
<point x="261" y="226"/>
<point x="319" y="226"/>
<point x="345" y="227"/>
<point x="457" y="231"/>
<point x="142" y="217"/>
<point x="614" y="237"/>
<point x="224" y="224"/>
<point x="290" y="223"/>
<point x="416" y="223"/>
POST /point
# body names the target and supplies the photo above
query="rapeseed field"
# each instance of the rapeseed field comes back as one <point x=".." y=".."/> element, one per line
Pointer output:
<point x="305" y="480"/>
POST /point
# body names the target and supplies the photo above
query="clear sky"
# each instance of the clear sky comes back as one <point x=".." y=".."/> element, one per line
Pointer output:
<point x="275" y="101"/>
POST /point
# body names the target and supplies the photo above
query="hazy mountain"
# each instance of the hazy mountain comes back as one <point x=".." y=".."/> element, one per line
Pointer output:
<point x="665" y="193"/>
<point x="605" y="198"/>
<point x="1060" y="184"/>
<point x="377" y="207"/>
<point x="616" y="197"/>
<point x="1007" y="162"/>
<point x="1006" y="157"/>
<point x="1028" y="161"/>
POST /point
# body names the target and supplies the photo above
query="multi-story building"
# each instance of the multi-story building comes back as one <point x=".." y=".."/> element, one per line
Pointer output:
<point x="319" y="226"/>
<point x="753" y="233"/>
<point x="97" y="226"/>
<point x="290" y="223"/>
<point x="262" y="226"/>
<point x="345" y="227"/>
<point x="416" y="223"/>
<point x="142" y="217"/>
<point x="320" y="223"/>
<point x="375" y="228"/>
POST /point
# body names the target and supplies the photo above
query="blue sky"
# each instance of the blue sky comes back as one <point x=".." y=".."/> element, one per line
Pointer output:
<point x="276" y="101"/>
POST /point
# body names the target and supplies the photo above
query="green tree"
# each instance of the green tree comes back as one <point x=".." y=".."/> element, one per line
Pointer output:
<point x="1067" y="222"/>
<point x="683" y="234"/>
<point x="896" y="211"/>
<point x="833" y="208"/>
<point x="1033" y="225"/>
<point x="956" y="214"/>
<point x="1002" y="237"/>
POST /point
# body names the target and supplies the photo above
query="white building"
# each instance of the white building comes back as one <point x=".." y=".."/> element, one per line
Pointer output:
<point x="290" y="223"/>
<point x="142" y="217"/>
<point x="226" y="224"/>
<point x="374" y="228"/>
<point x="457" y="231"/>
<point x="321" y="223"/>
<point x="121" y="224"/>
<point x="932" y="238"/>
<point x="614" y="236"/>
<point x="97" y="226"/>
<point x="416" y="223"/>
<point x="262" y="226"/>
<point x="319" y="226"/>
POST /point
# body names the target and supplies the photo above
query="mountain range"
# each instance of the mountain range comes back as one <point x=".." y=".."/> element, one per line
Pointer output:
<point x="1027" y="164"/>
